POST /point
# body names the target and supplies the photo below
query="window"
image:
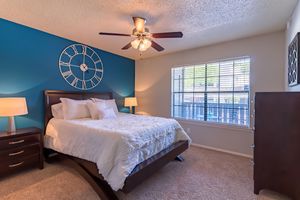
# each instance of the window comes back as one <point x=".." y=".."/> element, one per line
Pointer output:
<point x="215" y="92"/>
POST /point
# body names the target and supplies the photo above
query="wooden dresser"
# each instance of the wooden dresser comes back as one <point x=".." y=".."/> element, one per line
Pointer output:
<point x="277" y="143"/>
<point x="20" y="150"/>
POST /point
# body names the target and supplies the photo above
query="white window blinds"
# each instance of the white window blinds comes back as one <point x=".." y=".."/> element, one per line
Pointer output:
<point x="216" y="92"/>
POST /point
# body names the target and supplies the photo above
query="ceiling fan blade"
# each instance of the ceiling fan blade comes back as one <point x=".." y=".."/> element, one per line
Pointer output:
<point x="139" y="23"/>
<point x="168" y="35"/>
<point x="156" y="46"/>
<point x="127" y="46"/>
<point x="114" y="34"/>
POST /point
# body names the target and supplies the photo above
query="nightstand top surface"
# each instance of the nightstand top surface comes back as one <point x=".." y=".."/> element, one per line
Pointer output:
<point x="20" y="132"/>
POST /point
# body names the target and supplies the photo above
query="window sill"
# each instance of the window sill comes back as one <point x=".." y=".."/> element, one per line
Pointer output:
<point x="215" y="125"/>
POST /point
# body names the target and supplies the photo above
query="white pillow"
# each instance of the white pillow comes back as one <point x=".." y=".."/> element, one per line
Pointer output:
<point x="107" y="113"/>
<point x="57" y="111"/>
<point x="109" y="103"/>
<point x="100" y="110"/>
<point x="75" y="109"/>
<point x="93" y="106"/>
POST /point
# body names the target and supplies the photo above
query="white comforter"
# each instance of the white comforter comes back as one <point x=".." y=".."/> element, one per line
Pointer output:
<point x="116" y="146"/>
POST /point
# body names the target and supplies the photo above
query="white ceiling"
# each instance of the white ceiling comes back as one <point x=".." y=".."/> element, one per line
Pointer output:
<point x="202" y="22"/>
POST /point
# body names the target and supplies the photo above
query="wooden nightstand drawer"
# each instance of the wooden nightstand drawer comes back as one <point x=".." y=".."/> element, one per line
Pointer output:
<point x="19" y="141"/>
<point x="19" y="153"/>
<point x="21" y="149"/>
<point x="18" y="164"/>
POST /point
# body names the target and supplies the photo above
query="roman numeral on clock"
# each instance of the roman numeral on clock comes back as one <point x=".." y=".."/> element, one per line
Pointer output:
<point x="98" y="61"/>
<point x="64" y="63"/>
<point x="67" y="54"/>
<point x="74" y="82"/>
<point x="97" y="78"/>
<point x="83" y="85"/>
<point x="67" y="74"/>
<point x="74" y="49"/>
<point x="84" y="50"/>
<point x="99" y="70"/>
<point x="93" y="84"/>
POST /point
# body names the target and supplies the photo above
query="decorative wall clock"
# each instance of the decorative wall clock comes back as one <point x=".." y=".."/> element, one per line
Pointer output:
<point x="294" y="61"/>
<point x="81" y="66"/>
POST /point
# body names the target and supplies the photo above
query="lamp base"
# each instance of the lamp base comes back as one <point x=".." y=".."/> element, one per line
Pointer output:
<point x="11" y="125"/>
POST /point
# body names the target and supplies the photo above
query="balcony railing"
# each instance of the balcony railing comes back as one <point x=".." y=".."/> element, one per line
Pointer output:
<point x="222" y="113"/>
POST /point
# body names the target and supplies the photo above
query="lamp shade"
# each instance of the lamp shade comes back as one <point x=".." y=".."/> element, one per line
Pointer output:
<point x="130" y="101"/>
<point x="13" y="107"/>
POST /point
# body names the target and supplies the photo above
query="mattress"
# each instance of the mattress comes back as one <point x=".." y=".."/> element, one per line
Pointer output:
<point x="115" y="145"/>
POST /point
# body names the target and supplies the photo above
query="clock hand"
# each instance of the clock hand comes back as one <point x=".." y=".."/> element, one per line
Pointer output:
<point x="74" y="65"/>
<point x="96" y="70"/>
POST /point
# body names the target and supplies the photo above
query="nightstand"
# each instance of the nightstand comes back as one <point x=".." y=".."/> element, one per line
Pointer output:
<point x="20" y="150"/>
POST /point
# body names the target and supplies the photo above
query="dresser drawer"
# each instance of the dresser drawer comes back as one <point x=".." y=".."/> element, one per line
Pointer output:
<point x="18" y="164"/>
<point x="19" y="153"/>
<point x="19" y="141"/>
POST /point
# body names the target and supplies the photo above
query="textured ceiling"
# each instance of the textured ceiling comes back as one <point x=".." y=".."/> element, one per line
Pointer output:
<point x="202" y="22"/>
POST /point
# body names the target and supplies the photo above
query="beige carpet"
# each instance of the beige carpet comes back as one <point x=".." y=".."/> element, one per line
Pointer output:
<point x="204" y="175"/>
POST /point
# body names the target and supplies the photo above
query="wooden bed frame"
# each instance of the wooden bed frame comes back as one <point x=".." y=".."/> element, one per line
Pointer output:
<point x="89" y="171"/>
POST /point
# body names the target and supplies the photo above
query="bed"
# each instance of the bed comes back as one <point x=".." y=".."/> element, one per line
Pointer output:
<point x="139" y="155"/>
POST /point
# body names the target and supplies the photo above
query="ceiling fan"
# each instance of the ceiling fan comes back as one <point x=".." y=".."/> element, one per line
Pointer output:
<point x="143" y="38"/>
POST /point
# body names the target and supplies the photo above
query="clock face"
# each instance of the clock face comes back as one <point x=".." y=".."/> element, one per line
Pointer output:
<point x="81" y="66"/>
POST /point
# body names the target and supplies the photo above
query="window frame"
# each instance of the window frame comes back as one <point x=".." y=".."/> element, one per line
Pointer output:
<point x="205" y="92"/>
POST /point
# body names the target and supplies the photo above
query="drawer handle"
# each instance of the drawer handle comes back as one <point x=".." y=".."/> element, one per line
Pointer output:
<point x="16" y="153"/>
<point x="16" y="165"/>
<point x="17" y="142"/>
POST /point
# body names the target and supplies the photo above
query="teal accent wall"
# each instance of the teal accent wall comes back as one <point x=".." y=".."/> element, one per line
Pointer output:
<point x="29" y="65"/>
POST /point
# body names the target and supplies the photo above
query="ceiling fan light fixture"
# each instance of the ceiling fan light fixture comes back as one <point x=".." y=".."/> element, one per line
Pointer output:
<point x="144" y="44"/>
<point x="141" y="44"/>
<point x="135" y="43"/>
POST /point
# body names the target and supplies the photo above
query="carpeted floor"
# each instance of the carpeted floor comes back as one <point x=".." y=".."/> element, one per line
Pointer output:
<point x="204" y="175"/>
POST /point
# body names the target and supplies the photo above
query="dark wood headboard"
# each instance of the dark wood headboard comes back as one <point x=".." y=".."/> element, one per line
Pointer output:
<point x="53" y="97"/>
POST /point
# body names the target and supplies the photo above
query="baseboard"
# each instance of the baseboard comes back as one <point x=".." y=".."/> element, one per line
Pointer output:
<point x="222" y="150"/>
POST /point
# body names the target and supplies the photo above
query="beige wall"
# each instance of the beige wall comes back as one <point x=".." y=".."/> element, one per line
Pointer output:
<point x="293" y="26"/>
<point x="153" y="83"/>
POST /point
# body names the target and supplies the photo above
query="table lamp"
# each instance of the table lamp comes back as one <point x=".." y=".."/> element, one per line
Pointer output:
<point x="10" y="107"/>
<point x="130" y="102"/>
